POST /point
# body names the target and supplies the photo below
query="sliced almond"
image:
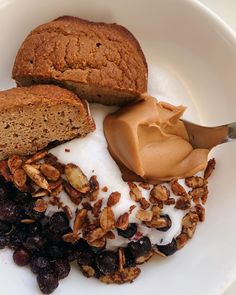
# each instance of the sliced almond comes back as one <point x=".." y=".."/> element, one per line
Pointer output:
<point x="135" y="193"/>
<point x="50" y="172"/>
<point x="36" y="176"/>
<point x="52" y="160"/>
<point x="107" y="219"/>
<point x="121" y="277"/>
<point x="40" y="193"/>
<point x="40" y="205"/>
<point x="209" y="169"/>
<point x="121" y="259"/>
<point x="37" y="157"/>
<point x="19" y="177"/>
<point x="53" y="185"/>
<point x="123" y="221"/>
<point x="55" y="192"/>
<point x="14" y="162"/>
<point x="27" y="221"/>
<point x="79" y="219"/>
<point x="76" y="178"/>
<point x="113" y="199"/>
<point x="144" y="215"/>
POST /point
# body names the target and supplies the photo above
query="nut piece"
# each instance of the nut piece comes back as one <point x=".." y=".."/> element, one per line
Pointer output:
<point x="144" y="204"/>
<point x="79" y="219"/>
<point x="36" y="176"/>
<point x="199" y="193"/>
<point x="101" y="243"/>
<point x="195" y="181"/>
<point x="131" y="208"/>
<point x="95" y="234"/>
<point x="113" y="199"/>
<point x="160" y="193"/>
<point x="52" y="160"/>
<point x="107" y="219"/>
<point x="38" y="156"/>
<point x="68" y="212"/>
<point x="189" y="223"/>
<point x="88" y="271"/>
<point x="144" y="215"/>
<point x="183" y="203"/>
<point x="123" y="221"/>
<point x="70" y="237"/>
<point x="144" y="185"/>
<point x="181" y="240"/>
<point x="121" y="259"/>
<point x="177" y="188"/>
<point x="121" y="277"/>
<point x="74" y="195"/>
<point x="76" y="178"/>
<point x="209" y="169"/>
<point x="135" y="193"/>
<point x="50" y="172"/>
<point x="14" y="162"/>
<point x="170" y="201"/>
<point x="40" y="193"/>
<point x="97" y="207"/>
<point x="4" y="171"/>
<point x="93" y="188"/>
<point x="40" y="205"/>
<point x="19" y="177"/>
<point x="200" y="210"/>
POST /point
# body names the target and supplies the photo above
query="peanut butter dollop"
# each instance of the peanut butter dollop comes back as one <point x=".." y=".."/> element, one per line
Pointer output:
<point x="149" y="138"/>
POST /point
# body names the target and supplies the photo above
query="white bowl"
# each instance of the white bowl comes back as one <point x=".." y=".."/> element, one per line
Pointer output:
<point x="191" y="55"/>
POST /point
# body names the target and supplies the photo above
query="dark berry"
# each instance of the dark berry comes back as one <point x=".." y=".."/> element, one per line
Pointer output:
<point x="10" y="212"/>
<point x="34" y="229"/>
<point x="85" y="257"/>
<point x="38" y="263"/>
<point x="22" y="197"/>
<point x="107" y="262"/>
<point x="34" y="243"/>
<point x="51" y="236"/>
<point x="5" y="227"/>
<point x="168" y="249"/>
<point x="47" y="282"/>
<point x="12" y="190"/>
<point x="168" y="221"/>
<point x="59" y="223"/>
<point x="129" y="259"/>
<point x="71" y="253"/>
<point x="28" y="209"/>
<point x="55" y="252"/>
<point x="129" y="232"/>
<point x="21" y="257"/>
<point x="3" y="241"/>
<point x="61" y="268"/>
<point x="4" y="193"/>
<point x="17" y="237"/>
<point x="140" y="248"/>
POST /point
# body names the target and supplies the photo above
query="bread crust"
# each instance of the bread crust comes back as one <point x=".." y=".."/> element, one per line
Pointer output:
<point x="72" y="50"/>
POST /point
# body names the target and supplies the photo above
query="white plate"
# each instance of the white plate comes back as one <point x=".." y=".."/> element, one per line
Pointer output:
<point x="191" y="55"/>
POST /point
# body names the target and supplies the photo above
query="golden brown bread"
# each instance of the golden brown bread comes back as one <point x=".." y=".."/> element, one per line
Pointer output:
<point x="100" y="62"/>
<point x="32" y="117"/>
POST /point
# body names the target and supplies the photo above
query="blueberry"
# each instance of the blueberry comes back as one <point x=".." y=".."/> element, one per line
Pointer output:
<point x="61" y="268"/>
<point x="129" y="258"/>
<point x="38" y="263"/>
<point x="47" y="282"/>
<point x="5" y="227"/>
<point x="107" y="262"/>
<point x="129" y="232"/>
<point x="22" y="198"/>
<point x="34" y="243"/>
<point x="168" y="249"/>
<point x="21" y="257"/>
<point x="18" y="237"/>
<point x="34" y="229"/>
<point x="10" y="212"/>
<point x="140" y="248"/>
<point x="28" y="209"/>
<point x="85" y="257"/>
<point x="55" y="252"/>
<point x="71" y="253"/>
<point x="4" y="241"/>
<point x="4" y="193"/>
<point x="59" y="223"/>
<point x="168" y="221"/>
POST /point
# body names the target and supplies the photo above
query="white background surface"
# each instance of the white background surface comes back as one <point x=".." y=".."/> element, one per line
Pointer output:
<point x="226" y="9"/>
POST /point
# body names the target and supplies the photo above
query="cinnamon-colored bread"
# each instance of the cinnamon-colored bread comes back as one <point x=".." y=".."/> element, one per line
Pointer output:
<point x="100" y="62"/>
<point x="32" y="117"/>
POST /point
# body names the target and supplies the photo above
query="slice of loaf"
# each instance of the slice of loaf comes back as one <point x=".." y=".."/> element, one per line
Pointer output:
<point x="32" y="117"/>
<point x="100" y="62"/>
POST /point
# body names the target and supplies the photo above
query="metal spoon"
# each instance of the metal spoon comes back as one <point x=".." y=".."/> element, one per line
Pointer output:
<point x="209" y="137"/>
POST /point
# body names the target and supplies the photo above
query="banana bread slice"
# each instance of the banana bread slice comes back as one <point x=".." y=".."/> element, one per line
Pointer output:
<point x="100" y="62"/>
<point x="32" y="117"/>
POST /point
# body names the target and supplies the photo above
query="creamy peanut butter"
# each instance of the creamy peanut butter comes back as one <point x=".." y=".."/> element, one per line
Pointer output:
<point x="149" y="138"/>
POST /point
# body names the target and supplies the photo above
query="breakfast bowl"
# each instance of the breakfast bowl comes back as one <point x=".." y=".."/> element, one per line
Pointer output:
<point x="191" y="59"/>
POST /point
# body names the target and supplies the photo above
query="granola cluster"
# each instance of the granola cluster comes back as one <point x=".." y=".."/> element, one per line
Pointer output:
<point x="94" y="221"/>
